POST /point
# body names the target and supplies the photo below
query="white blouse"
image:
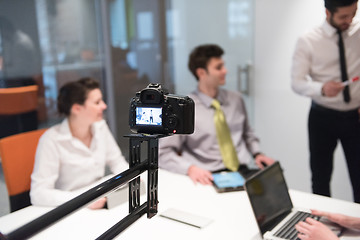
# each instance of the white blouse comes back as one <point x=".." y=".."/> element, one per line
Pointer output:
<point x="65" y="167"/>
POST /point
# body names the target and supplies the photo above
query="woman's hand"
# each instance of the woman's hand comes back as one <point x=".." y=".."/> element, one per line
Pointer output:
<point x="98" y="204"/>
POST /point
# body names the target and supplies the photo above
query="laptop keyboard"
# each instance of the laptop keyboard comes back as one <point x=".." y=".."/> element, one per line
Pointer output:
<point x="288" y="231"/>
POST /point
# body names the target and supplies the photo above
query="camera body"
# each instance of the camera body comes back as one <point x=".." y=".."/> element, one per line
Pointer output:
<point x="154" y="111"/>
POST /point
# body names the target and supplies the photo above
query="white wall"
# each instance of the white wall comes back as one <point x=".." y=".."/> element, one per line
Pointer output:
<point x="280" y="114"/>
<point x="218" y="20"/>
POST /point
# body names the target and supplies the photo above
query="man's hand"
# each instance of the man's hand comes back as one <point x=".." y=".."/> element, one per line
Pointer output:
<point x="261" y="161"/>
<point x="311" y="229"/>
<point x="331" y="89"/>
<point x="200" y="175"/>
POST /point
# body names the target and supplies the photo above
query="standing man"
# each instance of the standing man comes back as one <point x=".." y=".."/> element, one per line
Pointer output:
<point x="222" y="137"/>
<point x="151" y="117"/>
<point x="324" y="58"/>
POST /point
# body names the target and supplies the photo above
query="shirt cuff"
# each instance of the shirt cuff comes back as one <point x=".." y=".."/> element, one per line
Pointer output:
<point x="256" y="154"/>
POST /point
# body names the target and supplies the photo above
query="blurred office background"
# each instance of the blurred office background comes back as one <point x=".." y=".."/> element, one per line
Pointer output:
<point x="127" y="44"/>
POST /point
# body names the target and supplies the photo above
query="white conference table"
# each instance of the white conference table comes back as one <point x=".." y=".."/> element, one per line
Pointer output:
<point x="231" y="214"/>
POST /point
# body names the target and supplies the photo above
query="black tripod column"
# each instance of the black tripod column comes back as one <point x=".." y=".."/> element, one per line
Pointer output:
<point x="152" y="191"/>
<point x="153" y="165"/>
<point x="134" y="185"/>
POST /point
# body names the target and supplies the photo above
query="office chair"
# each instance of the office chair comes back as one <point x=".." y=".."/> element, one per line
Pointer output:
<point x="18" y="99"/>
<point x="18" y="156"/>
<point x="18" y="109"/>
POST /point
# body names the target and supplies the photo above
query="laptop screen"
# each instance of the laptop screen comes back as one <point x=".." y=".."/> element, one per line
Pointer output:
<point x="269" y="196"/>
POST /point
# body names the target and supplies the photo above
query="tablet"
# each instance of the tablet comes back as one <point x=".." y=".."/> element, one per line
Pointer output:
<point x="228" y="181"/>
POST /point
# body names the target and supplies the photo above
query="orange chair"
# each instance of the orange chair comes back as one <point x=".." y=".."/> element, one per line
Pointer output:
<point x="18" y="106"/>
<point x="17" y="156"/>
<point x="18" y="100"/>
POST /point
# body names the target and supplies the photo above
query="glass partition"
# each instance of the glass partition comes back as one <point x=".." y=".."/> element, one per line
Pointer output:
<point x="126" y="44"/>
<point x="48" y="43"/>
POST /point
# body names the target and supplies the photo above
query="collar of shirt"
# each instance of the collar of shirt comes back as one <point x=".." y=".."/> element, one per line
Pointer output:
<point x="65" y="133"/>
<point x="355" y="25"/>
<point x="64" y="130"/>
<point x="207" y="100"/>
<point x="331" y="31"/>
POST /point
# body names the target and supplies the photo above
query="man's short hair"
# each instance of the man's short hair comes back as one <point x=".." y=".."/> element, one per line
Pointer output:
<point x="333" y="5"/>
<point x="200" y="56"/>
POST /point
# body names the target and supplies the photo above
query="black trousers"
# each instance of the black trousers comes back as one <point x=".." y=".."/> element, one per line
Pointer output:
<point x="326" y="127"/>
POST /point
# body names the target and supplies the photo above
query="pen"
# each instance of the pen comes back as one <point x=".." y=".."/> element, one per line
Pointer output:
<point x="347" y="82"/>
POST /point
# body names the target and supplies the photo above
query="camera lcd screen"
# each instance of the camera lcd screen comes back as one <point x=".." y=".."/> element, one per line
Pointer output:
<point x="148" y="116"/>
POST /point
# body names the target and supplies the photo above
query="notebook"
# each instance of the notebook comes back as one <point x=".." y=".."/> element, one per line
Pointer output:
<point x="272" y="206"/>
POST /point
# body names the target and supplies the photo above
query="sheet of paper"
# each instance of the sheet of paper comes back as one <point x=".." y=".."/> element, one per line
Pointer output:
<point x="186" y="217"/>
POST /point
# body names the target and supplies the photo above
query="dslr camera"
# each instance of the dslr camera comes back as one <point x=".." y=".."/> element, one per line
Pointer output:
<point x="154" y="111"/>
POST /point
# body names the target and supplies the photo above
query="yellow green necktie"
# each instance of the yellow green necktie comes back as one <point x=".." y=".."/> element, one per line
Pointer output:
<point x="227" y="148"/>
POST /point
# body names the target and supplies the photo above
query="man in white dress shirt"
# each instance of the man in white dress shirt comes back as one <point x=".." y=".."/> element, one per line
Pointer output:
<point x="319" y="73"/>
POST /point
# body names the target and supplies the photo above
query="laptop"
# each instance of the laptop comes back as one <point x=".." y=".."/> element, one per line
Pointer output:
<point x="272" y="206"/>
